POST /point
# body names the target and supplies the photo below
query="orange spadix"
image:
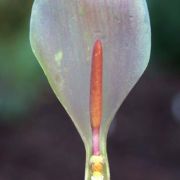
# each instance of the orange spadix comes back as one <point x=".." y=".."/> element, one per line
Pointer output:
<point x="96" y="86"/>
<point x="96" y="95"/>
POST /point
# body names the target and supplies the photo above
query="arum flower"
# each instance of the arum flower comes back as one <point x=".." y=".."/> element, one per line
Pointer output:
<point x="92" y="52"/>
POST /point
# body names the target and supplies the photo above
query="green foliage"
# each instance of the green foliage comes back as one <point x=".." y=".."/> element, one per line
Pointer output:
<point x="165" y="20"/>
<point x="20" y="78"/>
<point x="13" y="15"/>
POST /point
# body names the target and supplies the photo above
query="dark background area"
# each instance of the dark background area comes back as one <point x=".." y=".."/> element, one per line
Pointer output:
<point x="38" y="141"/>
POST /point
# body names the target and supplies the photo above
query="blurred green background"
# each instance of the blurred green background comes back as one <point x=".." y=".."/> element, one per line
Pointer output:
<point x="20" y="76"/>
<point x="36" y="134"/>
